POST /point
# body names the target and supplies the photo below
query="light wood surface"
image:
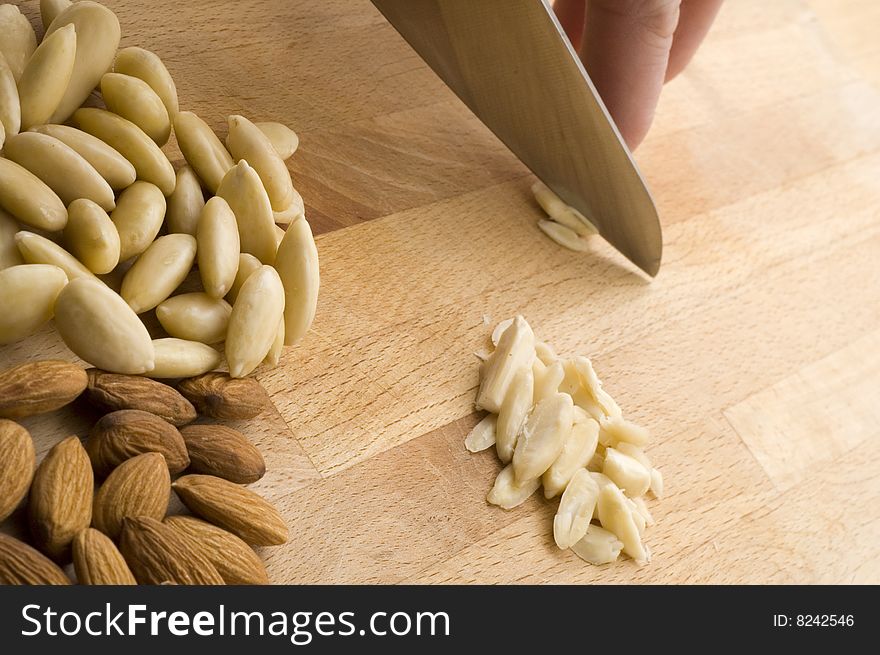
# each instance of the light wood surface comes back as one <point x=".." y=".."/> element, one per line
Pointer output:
<point x="754" y="356"/>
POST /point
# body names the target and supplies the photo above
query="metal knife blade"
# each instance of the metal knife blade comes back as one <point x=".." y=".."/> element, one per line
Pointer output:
<point x="510" y="62"/>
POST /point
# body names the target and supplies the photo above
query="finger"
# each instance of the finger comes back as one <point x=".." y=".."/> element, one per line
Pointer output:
<point x="626" y="52"/>
<point x="571" y="16"/>
<point x="694" y="21"/>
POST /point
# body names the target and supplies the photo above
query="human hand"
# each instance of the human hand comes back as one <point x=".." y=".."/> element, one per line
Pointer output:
<point x="631" y="47"/>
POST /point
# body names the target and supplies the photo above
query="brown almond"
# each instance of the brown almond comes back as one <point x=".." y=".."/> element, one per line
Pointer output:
<point x="112" y="392"/>
<point x="158" y="554"/>
<point x="224" y="452"/>
<point x="220" y="396"/>
<point x="97" y="561"/>
<point x="60" y="503"/>
<point x="235" y="561"/>
<point x="17" y="460"/>
<point x="39" y="387"/>
<point x="140" y="486"/>
<point x="130" y="432"/>
<point x="21" y="564"/>
<point x="231" y="507"/>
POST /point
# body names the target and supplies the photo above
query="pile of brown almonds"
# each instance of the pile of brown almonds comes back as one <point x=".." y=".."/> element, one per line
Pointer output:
<point x="118" y="531"/>
<point x="97" y="228"/>
<point x="553" y="424"/>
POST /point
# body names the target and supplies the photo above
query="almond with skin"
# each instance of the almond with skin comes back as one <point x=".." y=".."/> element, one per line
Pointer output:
<point x="60" y="503"/>
<point x="139" y="487"/>
<point x="127" y="433"/>
<point x="17" y="459"/>
<point x="97" y="561"/>
<point x="220" y="396"/>
<point x="224" y="452"/>
<point x="22" y="565"/>
<point x="233" y="508"/>
<point x="234" y="560"/>
<point x="158" y="554"/>
<point x="112" y="392"/>
<point x="38" y="387"/>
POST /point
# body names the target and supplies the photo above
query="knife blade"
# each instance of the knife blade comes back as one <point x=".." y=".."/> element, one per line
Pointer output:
<point x="510" y="62"/>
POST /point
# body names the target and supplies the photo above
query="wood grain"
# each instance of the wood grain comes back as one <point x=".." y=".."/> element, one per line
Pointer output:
<point x="764" y="161"/>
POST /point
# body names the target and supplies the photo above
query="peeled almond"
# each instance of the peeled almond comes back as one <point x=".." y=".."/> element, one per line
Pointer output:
<point x="247" y="265"/>
<point x="138" y="216"/>
<point x="576" y="454"/>
<point x="134" y="99"/>
<point x="68" y="174"/>
<point x="131" y="142"/>
<point x="98" y="326"/>
<point x="158" y="271"/>
<point x="28" y="292"/>
<point x="507" y="493"/>
<point x="91" y="236"/>
<point x="297" y="264"/>
<point x="254" y="321"/>
<point x="202" y="149"/>
<point x="147" y="66"/>
<point x="514" y="410"/>
<point x="247" y="142"/>
<point x="45" y="78"/>
<point x="283" y="139"/>
<point x="564" y="236"/>
<point x="178" y="358"/>
<point x="482" y="436"/>
<point x="9" y="254"/>
<point x="242" y="189"/>
<point x="10" y="105"/>
<point x="185" y="205"/>
<point x="98" y="34"/>
<point x="295" y="210"/>
<point x="49" y="10"/>
<point x="543" y="436"/>
<point x="616" y="516"/>
<point x="113" y="167"/>
<point x="499" y="330"/>
<point x="195" y="317"/>
<point x="27" y="198"/>
<point x="36" y="249"/>
<point x="626" y="472"/>
<point x="17" y="38"/>
<point x="560" y="212"/>
<point x="616" y="429"/>
<point x="575" y="509"/>
<point x="656" y="483"/>
<point x="273" y="358"/>
<point x="516" y="350"/>
<point x="219" y="247"/>
<point x="545" y="353"/>
<point x="547" y="381"/>
<point x="591" y="396"/>
<point x="598" y="546"/>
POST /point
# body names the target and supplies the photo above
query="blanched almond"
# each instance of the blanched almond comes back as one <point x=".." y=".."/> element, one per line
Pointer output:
<point x="9" y="254"/>
<point x="60" y="167"/>
<point x="131" y="142"/>
<point x="591" y="396"/>
<point x="294" y="211"/>
<point x="10" y="107"/>
<point x="242" y="189"/>
<point x="635" y="452"/>
<point x="616" y="429"/>
<point x="46" y="76"/>
<point x="515" y="351"/>
<point x="560" y="212"/>
<point x="273" y="358"/>
<point x="254" y="321"/>
<point x="247" y="265"/>
<point x="283" y="139"/>
<point x="514" y="410"/>
<point x="564" y="236"/>
<point x="138" y="217"/>
<point x="36" y="249"/>
<point x="616" y="516"/>
<point x="543" y="437"/>
<point x="297" y="264"/>
<point x="499" y="330"/>
<point x="49" y="10"/>
<point x="247" y="142"/>
<point x="135" y="100"/>
<point x="598" y="546"/>
<point x="27" y="198"/>
<point x="202" y="149"/>
<point x="482" y="436"/>
<point x="113" y="167"/>
<point x="576" y="454"/>
<point x="218" y="247"/>
<point x="656" y="483"/>
<point x="575" y="509"/>
<point x="148" y="67"/>
<point x="547" y="381"/>
<point x="178" y="358"/>
<point x="158" y="271"/>
<point x="98" y="33"/>
<point x="626" y="472"/>
<point x="31" y="289"/>
<point x="507" y="493"/>
<point x="91" y="236"/>
<point x="195" y="317"/>
<point x="185" y="205"/>
<point x="17" y="38"/>
<point x="98" y="326"/>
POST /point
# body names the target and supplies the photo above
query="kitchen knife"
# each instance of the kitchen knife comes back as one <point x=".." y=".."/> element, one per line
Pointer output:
<point x="510" y="62"/>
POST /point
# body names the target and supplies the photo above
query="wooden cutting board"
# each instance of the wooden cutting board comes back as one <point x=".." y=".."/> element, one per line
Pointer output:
<point x="754" y="357"/>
